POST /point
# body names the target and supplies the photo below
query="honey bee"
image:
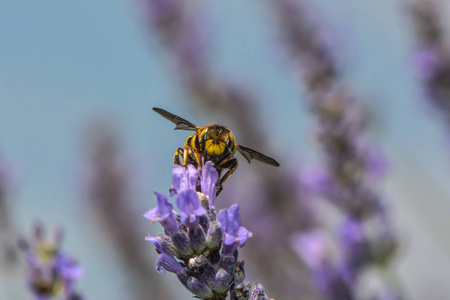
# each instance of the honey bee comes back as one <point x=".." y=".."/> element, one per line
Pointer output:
<point x="213" y="143"/>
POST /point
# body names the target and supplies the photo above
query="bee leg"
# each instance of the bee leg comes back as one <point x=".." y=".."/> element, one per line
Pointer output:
<point x="176" y="157"/>
<point x="185" y="157"/>
<point x="199" y="160"/>
<point x="231" y="165"/>
<point x="219" y="188"/>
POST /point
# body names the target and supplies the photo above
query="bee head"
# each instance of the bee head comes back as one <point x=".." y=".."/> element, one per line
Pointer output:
<point x="217" y="138"/>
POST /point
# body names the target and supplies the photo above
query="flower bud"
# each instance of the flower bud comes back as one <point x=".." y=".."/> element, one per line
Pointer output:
<point x="214" y="236"/>
<point x="166" y="244"/>
<point x="181" y="243"/>
<point x="198" y="288"/>
<point x="207" y="274"/>
<point x="184" y="275"/>
<point x="204" y="223"/>
<point x="214" y="257"/>
<point x="228" y="263"/>
<point x="239" y="273"/>
<point x="222" y="282"/>
<point x="197" y="239"/>
<point x="257" y="292"/>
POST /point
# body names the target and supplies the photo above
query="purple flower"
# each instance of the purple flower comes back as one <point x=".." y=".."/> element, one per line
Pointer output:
<point x="50" y="272"/>
<point x="376" y="163"/>
<point x="352" y="232"/>
<point x="316" y="180"/>
<point x="333" y="283"/>
<point x="68" y="268"/>
<point x="168" y="263"/>
<point x="155" y="242"/>
<point x="208" y="181"/>
<point x="312" y="247"/>
<point x="432" y="58"/>
<point x="161" y="10"/>
<point x="354" y="244"/>
<point x="163" y="213"/>
<point x="165" y="260"/>
<point x="234" y="234"/>
<point x="184" y="178"/>
<point x="427" y="61"/>
<point x="190" y="208"/>
<point x="330" y="277"/>
<point x="257" y="292"/>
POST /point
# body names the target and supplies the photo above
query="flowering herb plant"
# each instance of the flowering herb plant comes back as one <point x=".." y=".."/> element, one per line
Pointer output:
<point x="348" y="177"/>
<point x="51" y="273"/>
<point x="432" y="55"/>
<point x="200" y="247"/>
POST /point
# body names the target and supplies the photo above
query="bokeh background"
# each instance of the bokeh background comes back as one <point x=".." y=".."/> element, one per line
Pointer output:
<point x="71" y="71"/>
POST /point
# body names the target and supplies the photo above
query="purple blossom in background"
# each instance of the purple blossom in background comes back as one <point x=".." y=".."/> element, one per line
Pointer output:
<point x="427" y="61"/>
<point x="433" y="55"/>
<point x="354" y="243"/>
<point x="314" y="248"/>
<point x="347" y="179"/>
<point x="110" y="191"/>
<point x="202" y="251"/>
<point x="8" y="251"/>
<point x="50" y="273"/>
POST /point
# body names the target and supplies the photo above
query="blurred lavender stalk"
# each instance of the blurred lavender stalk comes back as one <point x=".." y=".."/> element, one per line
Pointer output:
<point x="111" y="196"/>
<point x="276" y="206"/>
<point x="365" y="237"/>
<point x="8" y="251"/>
<point x="178" y="25"/>
<point x="433" y="55"/>
<point x="50" y="272"/>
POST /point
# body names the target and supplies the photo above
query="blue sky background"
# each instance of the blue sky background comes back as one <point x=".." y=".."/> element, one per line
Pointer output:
<point x="64" y="63"/>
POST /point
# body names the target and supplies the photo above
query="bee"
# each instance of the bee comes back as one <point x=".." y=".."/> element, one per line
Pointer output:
<point x="213" y="142"/>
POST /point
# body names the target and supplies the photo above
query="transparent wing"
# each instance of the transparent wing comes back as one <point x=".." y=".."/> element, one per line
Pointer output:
<point x="250" y="154"/>
<point x="180" y="123"/>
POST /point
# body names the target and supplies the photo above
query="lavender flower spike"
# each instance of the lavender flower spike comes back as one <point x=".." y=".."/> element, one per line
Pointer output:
<point x="163" y="213"/>
<point x="50" y="273"/>
<point x="432" y="56"/>
<point x="204" y="254"/>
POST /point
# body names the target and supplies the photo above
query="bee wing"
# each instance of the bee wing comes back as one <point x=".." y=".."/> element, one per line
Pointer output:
<point x="250" y="154"/>
<point x="181" y="124"/>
